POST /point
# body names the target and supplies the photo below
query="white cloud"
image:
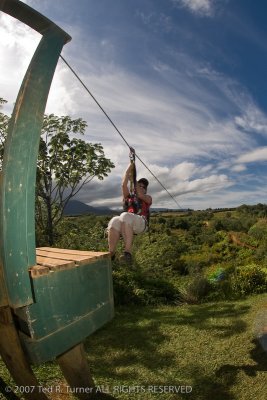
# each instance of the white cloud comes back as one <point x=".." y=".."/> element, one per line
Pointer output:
<point x="211" y="183"/>
<point x="230" y="197"/>
<point x="181" y="123"/>
<point x="179" y="120"/>
<point x="158" y="22"/>
<point x="191" y="125"/>
<point x="200" y="7"/>
<point x="174" y="179"/>
<point x="252" y="120"/>
<point x="17" y="45"/>
<point x="186" y="179"/>
<point x="183" y="171"/>
<point x="239" y="168"/>
<point x="256" y="155"/>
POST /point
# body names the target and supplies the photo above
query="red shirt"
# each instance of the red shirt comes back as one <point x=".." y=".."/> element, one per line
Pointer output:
<point x="137" y="206"/>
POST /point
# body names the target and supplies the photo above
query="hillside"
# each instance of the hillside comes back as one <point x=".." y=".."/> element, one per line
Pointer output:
<point x="76" y="207"/>
<point x="186" y="257"/>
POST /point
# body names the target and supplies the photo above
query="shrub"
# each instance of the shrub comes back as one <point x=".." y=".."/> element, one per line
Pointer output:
<point x="160" y="255"/>
<point x="159" y="291"/>
<point x="229" y="224"/>
<point x="248" y="280"/>
<point x="125" y="289"/>
<point x="196" y="291"/>
<point x="259" y="230"/>
<point x="133" y="287"/>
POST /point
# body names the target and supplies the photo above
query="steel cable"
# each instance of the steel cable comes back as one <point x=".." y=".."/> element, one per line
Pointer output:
<point x="118" y="131"/>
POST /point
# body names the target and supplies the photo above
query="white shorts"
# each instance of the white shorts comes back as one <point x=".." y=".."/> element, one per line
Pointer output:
<point x="137" y="222"/>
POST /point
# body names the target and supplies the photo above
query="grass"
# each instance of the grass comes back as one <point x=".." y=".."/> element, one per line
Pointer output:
<point x="210" y="350"/>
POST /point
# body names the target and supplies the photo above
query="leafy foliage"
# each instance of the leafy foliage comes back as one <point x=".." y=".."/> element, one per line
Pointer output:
<point x="160" y="253"/>
<point x="82" y="233"/>
<point x="65" y="165"/>
<point x="174" y="265"/>
<point x="4" y="120"/>
<point x="136" y="287"/>
<point x="188" y="257"/>
<point x="259" y="230"/>
<point x="248" y="279"/>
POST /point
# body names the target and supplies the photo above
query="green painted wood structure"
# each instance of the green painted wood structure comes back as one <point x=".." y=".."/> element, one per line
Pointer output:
<point x="50" y="299"/>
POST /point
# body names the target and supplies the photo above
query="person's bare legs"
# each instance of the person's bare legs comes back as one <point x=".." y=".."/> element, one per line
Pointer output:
<point x="127" y="234"/>
<point x="113" y="238"/>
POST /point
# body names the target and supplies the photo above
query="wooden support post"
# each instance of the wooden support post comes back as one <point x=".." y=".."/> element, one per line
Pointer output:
<point x="14" y="357"/>
<point x="75" y="368"/>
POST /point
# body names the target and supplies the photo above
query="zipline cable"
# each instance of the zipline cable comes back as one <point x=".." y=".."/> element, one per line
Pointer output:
<point x="118" y="131"/>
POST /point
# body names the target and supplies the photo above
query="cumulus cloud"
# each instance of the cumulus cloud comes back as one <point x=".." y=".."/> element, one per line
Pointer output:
<point x="207" y="184"/>
<point x="192" y="125"/>
<point x="17" y="44"/>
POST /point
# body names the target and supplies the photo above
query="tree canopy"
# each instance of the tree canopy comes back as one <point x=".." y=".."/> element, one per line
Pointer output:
<point x="66" y="163"/>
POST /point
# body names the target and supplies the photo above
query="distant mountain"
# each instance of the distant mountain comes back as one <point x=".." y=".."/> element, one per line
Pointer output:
<point x="76" y="207"/>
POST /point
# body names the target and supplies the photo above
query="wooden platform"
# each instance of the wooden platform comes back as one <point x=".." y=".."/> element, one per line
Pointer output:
<point x="53" y="259"/>
<point x="73" y="297"/>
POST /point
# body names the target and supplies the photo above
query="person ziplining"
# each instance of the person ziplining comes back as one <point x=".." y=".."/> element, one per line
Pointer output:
<point x="135" y="218"/>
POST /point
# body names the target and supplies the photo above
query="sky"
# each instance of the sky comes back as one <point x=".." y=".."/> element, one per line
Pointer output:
<point x="183" y="80"/>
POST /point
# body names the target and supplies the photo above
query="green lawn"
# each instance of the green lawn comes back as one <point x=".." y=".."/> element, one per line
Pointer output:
<point x="149" y="353"/>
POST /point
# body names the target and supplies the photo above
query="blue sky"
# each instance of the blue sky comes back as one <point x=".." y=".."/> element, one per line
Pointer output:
<point x="184" y="81"/>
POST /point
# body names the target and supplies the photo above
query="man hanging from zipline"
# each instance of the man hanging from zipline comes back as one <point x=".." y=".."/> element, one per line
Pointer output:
<point x="135" y="218"/>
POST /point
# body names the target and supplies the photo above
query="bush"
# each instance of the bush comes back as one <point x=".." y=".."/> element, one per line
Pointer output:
<point x="196" y="291"/>
<point x="82" y="233"/>
<point x="248" y="280"/>
<point x="229" y="224"/>
<point x="133" y="287"/>
<point x="160" y="254"/>
<point x="259" y="230"/>
<point x="125" y="288"/>
<point x="159" y="291"/>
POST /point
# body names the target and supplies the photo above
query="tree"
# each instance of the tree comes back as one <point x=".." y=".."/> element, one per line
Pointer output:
<point x="3" y="130"/>
<point x="65" y="165"/>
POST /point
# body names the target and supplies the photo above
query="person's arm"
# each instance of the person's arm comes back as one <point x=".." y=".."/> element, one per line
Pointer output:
<point x="142" y="196"/>
<point x="126" y="178"/>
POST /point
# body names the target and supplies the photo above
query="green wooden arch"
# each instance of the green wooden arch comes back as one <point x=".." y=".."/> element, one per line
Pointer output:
<point x="50" y="299"/>
<point x="17" y="199"/>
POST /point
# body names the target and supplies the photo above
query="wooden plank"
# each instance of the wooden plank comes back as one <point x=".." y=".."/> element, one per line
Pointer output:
<point x="75" y="259"/>
<point x="38" y="270"/>
<point x="78" y="252"/>
<point x="61" y="256"/>
<point x="57" y="342"/>
<point x="54" y="263"/>
<point x="79" y="259"/>
<point x="63" y="297"/>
